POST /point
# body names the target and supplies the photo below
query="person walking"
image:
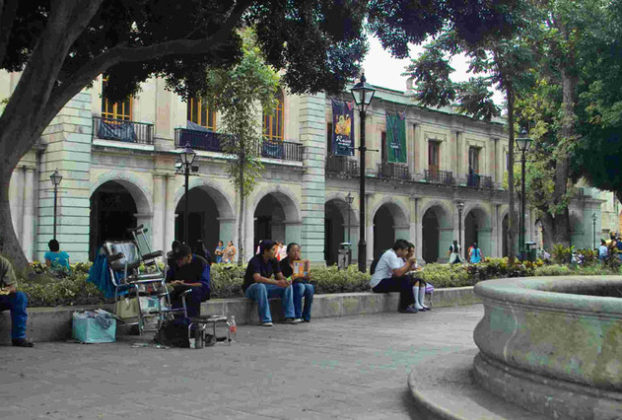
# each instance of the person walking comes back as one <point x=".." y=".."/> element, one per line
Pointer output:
<point x="454" y="253"/>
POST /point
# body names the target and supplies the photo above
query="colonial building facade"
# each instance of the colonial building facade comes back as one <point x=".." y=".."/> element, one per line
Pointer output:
<point x="118" y="162"/>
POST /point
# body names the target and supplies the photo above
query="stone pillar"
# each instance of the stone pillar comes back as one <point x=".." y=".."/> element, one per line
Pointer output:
<point x="28" y="218"/>
<point x="459" y="159"/>
<point x="412" y="155"/>
<point x="370" y="242"/>
<point x="446" y="237"/>
<point x="227" y="229"/>
<point x="68" y="149"/>
<point x="169" y="212"/>
<point x="158" y="225"/>
<point x="312" y="120"/>
<point x="417" y="228"/>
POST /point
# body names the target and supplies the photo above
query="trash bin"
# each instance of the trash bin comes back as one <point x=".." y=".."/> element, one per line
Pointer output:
<point x="344" y="255"/>
<point x="530" y="248"/>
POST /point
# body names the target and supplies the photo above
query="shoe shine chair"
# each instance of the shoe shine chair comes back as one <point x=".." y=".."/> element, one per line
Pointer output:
<point x="136" y="275"/>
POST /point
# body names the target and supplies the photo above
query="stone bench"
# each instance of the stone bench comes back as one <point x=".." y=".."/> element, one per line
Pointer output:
<point x="54" y="324"/>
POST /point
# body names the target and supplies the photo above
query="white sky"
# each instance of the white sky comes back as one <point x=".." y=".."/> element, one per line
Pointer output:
<point x="381" y="69"/>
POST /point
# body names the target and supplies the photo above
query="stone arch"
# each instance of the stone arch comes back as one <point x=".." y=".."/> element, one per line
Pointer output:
<point x="390" y="221"/>
<point x="436" y="231"/>
<point x="134" y="184"/>
<point x="336" y="230"/>
<point x="211" y="215"/>
<point x="477" y="227"/>
<point x="225" y="208"/>
<point x="276" y="215"/>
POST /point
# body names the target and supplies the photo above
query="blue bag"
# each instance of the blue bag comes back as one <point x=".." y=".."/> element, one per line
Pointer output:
<point x="96" y="326"/>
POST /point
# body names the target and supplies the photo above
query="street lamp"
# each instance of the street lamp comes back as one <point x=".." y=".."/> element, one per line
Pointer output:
<point x="593" y="230"/>
<point x="187" y="156"/>
<point x="460" y="205"/>
<point x="56" y="178"/>
<point x="523" y="142"/>
<point x="362" y="93"/>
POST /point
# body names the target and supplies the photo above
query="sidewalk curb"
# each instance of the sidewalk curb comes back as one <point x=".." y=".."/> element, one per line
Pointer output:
<point x="54" y="324"/>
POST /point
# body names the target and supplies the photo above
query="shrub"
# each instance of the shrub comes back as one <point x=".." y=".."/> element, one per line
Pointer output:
<point x="561" y="254"/>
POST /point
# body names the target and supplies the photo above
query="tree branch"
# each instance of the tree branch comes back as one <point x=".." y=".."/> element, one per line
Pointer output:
<point x="8" y="11"/>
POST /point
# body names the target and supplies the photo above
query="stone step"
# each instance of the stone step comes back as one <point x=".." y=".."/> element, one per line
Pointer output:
<point x="443" y="389"/>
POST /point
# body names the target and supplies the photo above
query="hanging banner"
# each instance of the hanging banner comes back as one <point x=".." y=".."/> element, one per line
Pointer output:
<point x="343" y="128"/>
<point x="396" y="137"/>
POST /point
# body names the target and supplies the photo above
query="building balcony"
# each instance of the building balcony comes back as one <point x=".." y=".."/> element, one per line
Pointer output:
<point x="214" y="142"/>
<point x="439" y="177"/>
<point x="122" y="130"/>
<point x="479" y="181"/>
<point x="388" y="170"/>
<point x="341" y="166"/>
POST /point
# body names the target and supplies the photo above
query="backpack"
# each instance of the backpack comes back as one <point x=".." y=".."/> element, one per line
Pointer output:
<point x="173" y="333"/>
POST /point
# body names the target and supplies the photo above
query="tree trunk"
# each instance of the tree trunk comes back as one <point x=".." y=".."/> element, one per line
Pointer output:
<point x="547" y="232"/>
<point x="241" y="210"/>
<point x="9" y="244"/>
<point x="511" y="241"/>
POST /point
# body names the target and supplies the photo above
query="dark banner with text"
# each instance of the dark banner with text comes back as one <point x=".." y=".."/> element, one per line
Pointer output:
<point x="343" y="128"/>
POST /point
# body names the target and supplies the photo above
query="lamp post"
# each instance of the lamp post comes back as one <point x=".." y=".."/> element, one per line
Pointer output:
<point x="593" y="230"/>
<point x="187" y="156"/>
<point x="460" y="205"/>
<point x="362" y="93"/>
<point x="349" y="200"/>
<point x="56" y="178"/>
<point x="523" y="142"/>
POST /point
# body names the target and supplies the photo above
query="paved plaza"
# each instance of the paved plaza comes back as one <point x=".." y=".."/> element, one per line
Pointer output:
<point x="351" y="367"/>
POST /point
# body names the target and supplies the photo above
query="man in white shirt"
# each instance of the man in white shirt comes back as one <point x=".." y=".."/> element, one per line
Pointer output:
<point x="390" y="276"/>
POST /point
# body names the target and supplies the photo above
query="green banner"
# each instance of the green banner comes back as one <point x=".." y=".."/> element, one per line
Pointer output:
<point x="396" y="137"/>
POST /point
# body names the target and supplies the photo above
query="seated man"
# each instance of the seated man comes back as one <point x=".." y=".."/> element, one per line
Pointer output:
<point x="188" y="272"/>
<point x="390" y="276"/>
<point x="15" y="302"/>
<point x="260" y="286"/>
<point x="301" y="285"/>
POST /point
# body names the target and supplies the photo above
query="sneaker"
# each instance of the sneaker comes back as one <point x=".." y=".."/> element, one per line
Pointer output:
<point x="409" y="310"/>
<point x="266" y="324"/>
<point x="306" y="320"/>
<point x="293" y="320"/>
<point x="22" y="342"/>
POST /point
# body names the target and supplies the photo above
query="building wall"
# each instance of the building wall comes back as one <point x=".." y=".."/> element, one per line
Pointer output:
<point x="300" y="190"/>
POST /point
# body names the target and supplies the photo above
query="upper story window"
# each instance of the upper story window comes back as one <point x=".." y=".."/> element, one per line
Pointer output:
<point x="434" y="156"/>
<point x="120" y="110"/>
<point x="474" y="160"/>
<point x="273" y="123"/>
<point x="201" y="113"/>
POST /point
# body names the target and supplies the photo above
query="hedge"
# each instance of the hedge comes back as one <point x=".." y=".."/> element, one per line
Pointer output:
<point x="46" y="290"/>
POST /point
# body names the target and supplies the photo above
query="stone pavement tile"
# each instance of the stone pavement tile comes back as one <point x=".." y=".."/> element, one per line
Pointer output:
<point x="350" y="367"/>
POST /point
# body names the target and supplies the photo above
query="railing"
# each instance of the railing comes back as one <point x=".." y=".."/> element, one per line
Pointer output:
<point x="283" y="150"/>
<point x="486" y="182"/>
<point x="393" y="171"/>
<point x="200" y="140"/>
<point x="342" y="166"/>
<point x="122" y="130"/>
<point x="439" y="177"/>
<point x="473" y="180"/>
<point x="214" y="142"/>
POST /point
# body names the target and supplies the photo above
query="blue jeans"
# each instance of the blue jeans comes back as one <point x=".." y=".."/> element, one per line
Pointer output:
<point x="193" y="300"/>
<point x="261" y="292"/>
<point x="301" y="290"/>
<point x="16" y="303"/>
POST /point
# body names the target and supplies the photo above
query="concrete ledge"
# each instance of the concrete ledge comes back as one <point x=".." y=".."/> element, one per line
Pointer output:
<point x="54" y="324"/>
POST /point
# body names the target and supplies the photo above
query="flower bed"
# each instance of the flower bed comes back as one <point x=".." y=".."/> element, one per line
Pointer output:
<point x="46" y="290"/>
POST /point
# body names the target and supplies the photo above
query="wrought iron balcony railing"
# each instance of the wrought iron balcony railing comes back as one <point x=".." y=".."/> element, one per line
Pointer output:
<point x="122" y="130"/>
<point x="342" y="166"/>
<point x="393" y="171"/>
<point x="215" y="142"/>
<point x="434" y="176"/>
<point x="486" y="182"/>
<point x="479" y="181"/>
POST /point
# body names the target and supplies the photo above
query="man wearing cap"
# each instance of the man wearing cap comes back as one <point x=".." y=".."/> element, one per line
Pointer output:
<point x="188" y="271"/>
<point x="264" y="280"/>
<point x="15" y="302"/>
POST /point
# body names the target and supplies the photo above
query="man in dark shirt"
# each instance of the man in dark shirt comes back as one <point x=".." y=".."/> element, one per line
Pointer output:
<point x="14" y="301"/>
<point x="302" y="287"/>
<point x="189" y="272"/>
<point x="260" y="286"/>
